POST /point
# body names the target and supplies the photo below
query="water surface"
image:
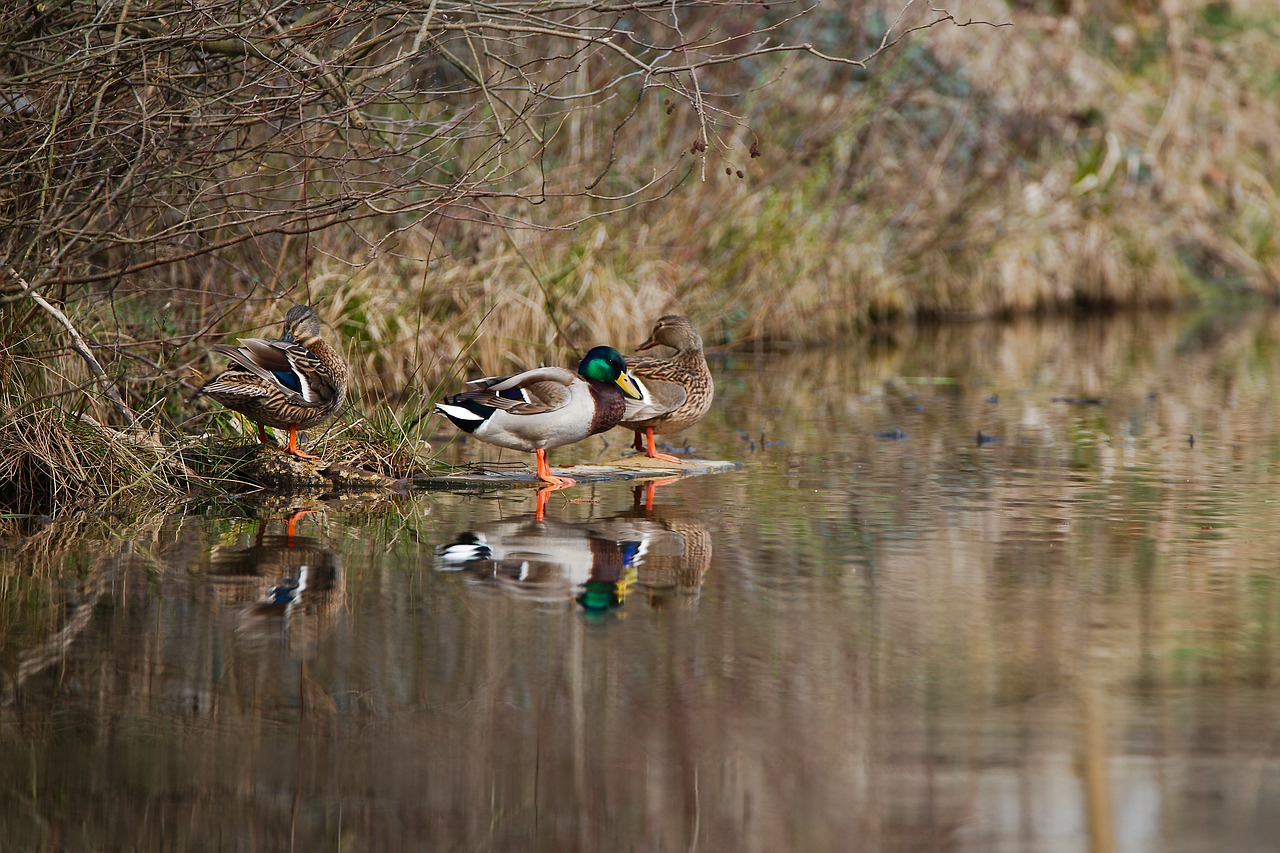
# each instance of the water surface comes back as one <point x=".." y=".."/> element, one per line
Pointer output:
<point x="977" y="588"/>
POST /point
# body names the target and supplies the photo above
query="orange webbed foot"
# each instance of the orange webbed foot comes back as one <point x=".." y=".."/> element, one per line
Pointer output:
<point x="544" y="472"/>
<point x="293" y="445"/>
<point x="652" y="449"/>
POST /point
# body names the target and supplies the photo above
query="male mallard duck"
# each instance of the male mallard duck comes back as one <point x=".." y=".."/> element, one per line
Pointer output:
<point x="294" y="383"/>
<point x="545" y="407"/>
<point x="677" y="391"/>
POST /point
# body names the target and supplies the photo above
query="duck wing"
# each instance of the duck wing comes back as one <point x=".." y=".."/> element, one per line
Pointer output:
<point x="658" y="397"/>
<point x="533" y="392"/>
<point x="288" y="368"/>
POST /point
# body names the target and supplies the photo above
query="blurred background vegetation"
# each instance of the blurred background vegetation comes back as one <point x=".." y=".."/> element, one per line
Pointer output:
<point x="459" y="188"/>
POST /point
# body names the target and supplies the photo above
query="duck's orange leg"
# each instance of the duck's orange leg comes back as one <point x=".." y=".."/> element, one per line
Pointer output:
<point x="263" y="438"/>
<point x="652" y="450"/>
<point x="293" y="445"/>
<point x="553" y="482"/>
<point x="544" y="471"/>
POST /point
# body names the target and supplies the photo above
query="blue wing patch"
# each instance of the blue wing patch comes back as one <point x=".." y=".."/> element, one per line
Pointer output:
<point x="630" y="550"/>
<point x="288" y="379"/>
<point x="516" y="394"/>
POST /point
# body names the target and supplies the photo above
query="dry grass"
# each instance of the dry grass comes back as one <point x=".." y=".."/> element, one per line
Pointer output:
<point x="49" y="463"/>
<point x="995" y="172"/>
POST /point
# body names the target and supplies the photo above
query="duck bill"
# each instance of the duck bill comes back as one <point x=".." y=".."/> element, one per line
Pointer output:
<point x="649" y="344"/>
<point x="628" y="386"/>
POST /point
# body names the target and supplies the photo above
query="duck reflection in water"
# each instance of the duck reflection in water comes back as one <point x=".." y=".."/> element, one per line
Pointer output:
<point x="289" y="586"/>
<point x="541" y="560"/>
<point x="597" y="563"/>
<point x="676" y="554"/>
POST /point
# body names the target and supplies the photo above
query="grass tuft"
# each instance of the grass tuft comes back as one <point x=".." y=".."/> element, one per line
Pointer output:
<point x="52" y="462"/>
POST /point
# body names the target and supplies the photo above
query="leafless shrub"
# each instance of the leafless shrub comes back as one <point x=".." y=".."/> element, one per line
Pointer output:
<point x="134" y="136"/>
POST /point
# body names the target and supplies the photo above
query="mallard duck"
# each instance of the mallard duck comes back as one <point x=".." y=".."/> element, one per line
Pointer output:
<point x="546" y="407"/>
<point x="676" y="391"/>
<point x="294" y="383"/>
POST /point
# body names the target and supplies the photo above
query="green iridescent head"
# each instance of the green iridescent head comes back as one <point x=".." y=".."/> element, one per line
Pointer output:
<point x="606" y="364"/>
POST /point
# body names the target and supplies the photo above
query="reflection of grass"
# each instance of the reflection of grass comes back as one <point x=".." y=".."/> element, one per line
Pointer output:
<point x="1097" y="529"/>
<point x="52" y="579"/>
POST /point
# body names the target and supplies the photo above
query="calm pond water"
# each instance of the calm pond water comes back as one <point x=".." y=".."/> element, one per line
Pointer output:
<point x="977" y="588"/>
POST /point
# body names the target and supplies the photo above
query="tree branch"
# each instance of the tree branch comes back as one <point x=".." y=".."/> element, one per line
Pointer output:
<point x="81" y="347"/>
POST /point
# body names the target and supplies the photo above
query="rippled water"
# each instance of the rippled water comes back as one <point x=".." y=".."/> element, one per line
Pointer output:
<point x="977" y="588"/>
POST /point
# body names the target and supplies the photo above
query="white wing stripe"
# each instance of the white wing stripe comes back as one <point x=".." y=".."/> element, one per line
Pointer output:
<point x="646" y="398"/>
<point x="308" y="394"/>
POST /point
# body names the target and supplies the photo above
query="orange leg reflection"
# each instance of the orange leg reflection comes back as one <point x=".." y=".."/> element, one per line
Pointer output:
<point x="543" y="494"/>
<point x="649" y="487"/>
<point x="291" y="522"/>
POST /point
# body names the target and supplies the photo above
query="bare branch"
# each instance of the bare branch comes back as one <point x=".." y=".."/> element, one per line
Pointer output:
<point x="81" y="347"/>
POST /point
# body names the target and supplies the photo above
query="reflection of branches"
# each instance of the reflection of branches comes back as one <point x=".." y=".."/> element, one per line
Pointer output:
<point x="53" y="649"/>
<point x="42" y="556"/>
<point x="137" y="135"/>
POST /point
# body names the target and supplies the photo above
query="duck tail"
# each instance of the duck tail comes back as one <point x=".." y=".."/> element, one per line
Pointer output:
<point x="466" y="415"/>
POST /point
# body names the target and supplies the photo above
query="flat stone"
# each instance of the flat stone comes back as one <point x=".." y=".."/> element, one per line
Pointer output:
<point x="632" y="468"/>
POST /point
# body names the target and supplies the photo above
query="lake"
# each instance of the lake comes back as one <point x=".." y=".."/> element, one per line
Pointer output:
<point x="978" y="587"/>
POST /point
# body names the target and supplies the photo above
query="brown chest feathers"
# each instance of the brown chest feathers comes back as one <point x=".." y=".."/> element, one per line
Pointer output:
<point x="610" y="406"/>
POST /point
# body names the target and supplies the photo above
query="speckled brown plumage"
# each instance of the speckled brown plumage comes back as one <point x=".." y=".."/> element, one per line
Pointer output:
<point x="293" y="383"/>
<point x="678" y="390"/>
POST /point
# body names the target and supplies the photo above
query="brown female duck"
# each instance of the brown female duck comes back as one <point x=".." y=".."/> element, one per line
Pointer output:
<point x="677" y="391"/>
<point x="297" y="382"/>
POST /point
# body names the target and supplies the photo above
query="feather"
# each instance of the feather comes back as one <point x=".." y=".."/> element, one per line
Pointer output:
<point x="677" y="390"/>
<point x="544" y="408"/>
